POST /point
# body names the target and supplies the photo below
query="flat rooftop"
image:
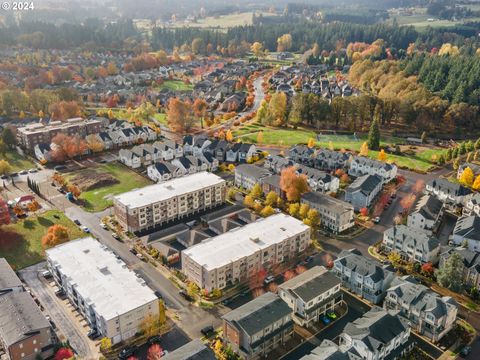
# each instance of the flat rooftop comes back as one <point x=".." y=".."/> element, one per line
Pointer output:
<point x="168" y="189"/>
<point x="244" y="241"/>
<point x="100" y="278"/>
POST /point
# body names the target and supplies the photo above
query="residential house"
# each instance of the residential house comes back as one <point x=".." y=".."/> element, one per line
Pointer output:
<point x="301" y="154"/>
<point x="325" y="159"/>
<point x="378" y="334"/>
<point x="429" y="314"/>
<point x="234" y="102"/>
<point x="272" y="183"/>
<point x="255" y="329"/>
<point x="471" y="264"/>
<point x="247" y="175"/>
<point x="472" y="204"/>
<point x="412" y="244"/>
<point x="318" y="180"/>
<point x="129" y="158"/>
<point x="363" y="276"/>
<point x="446" y="191"/>
<point x="361" y="165"/>
<point x="467" y="230"/>
<point x="231" y="154"/>
<point x="363" y="191"/>
<point x="335" y="215"/>
<point x="276" y="163"/>
<point x="166" y="153"/>
<point x="427" y="214"/>
<point x="311" y="294"/>
<point x="24" y="201"/>
<point x="199" y="145"/>
<point x="211" y="162"/>
<point x="164" y="171"/>
<point x="188" y="142"/>
<point x="218" y="149"/>
<point x="177" y="148"/>
<point x="188" y="164"/>
<point x="246" y="153"/>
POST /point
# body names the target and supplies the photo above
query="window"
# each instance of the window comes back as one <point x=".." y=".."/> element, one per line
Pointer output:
<point x="21" y="346"/>
<point x="34" y="341"/>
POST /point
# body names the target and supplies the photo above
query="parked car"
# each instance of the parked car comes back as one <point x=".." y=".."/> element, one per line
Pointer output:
<point x="466" y="351"/>
<point x="103" y="225"/>
<point x="115" y="236"/>
<point x="53" y="325"/>
<point x="77" y="222"/>
<point x="332" y="315"/>
<point x="394" y="195"/>
<point x="376" y="219"/>
<point x="23" y="172"/>
<point x="85" y="229"/>
<point x="47" y="274"/>
<point x="92" y="334"/>
<point x="59" y="292"/>
<point x="309" y="259"/>
<point x="127" y="352"/>
<point x="133" y="251"/>
<point x="269" y="279"/>
<point x="185" y="295"/>
<point x="325" y="320"/>
<point x="207" y="330"/>
<point x="226" y="302"/>
<point x="163" y="353"/>
<point x="34" y="170"/>
<point x="59" y="167"/>
<point x="3" y="177"/>
<point x="157" y="294"/>
<point x="141" y="257"/>
<point x="154" y="340"/>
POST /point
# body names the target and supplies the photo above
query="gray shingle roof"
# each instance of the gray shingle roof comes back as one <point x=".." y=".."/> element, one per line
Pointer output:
<point x="8" y="278"/>
<point x="252" y="171"/>
<point x="468" y="227"/>
<point x="19" y="317"/>
<point x="429" y="207"/>
<point x="366" y="184"/>
<point x="194" y="350"/>
<point x="448" y="187"/>
<point x="337" y="205"/>
<point x="363" y="266"/>
<point x="258" y="313"/>
<point x="420" y="240"/>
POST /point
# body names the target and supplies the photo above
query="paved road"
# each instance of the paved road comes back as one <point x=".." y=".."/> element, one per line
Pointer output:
<point x="59" y="314"/>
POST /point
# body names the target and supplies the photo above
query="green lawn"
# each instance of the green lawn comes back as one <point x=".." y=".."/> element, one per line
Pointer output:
<point x="175" y="85"/>
<point x="161" y="118"/>
<point x="20" y="243"/>
<point x="101" y="198"/>
<point x="287" y="137"/>
<point x="17" y="161"/>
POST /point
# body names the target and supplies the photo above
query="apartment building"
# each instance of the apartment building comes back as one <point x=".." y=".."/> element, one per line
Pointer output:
<point x="361" y="165"/>
<point x="25" y="333"/>
<point x="156" y="205"/>
<point x="326" y="159"/>
<point x="378" y="334"/>
<point x="363" y="276"/>
<point x="112" y="298"/>
<point x="9" y="281"/>
<point x="240" y="253"/>
<point x="34" y="134"/>
<point x="429" y="314"/>
<point x="247" y="175"/>
<point x="311" y="294"/>
<point x="427" y="214"/>
<point x="412" y="244"/>
<point x="256" y="328"/>
<point x="447" y="192"/>
<point x="363" y="191"/>
<point x="335" y="215"/>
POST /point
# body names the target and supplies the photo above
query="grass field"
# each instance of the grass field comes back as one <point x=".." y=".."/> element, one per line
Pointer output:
<point x="101" y="198"/>
<point x="420" y="20"/>
<point x="422" y="160"/>
<point x="20" y="243"/>
<point x="223" y="22"/>
<point x="17" y="161"/>
<point x="175" y="85"/>
<point x="161" y="118"/>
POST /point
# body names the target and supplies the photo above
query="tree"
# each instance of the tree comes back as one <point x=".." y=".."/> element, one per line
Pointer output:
<point x="313" y="218"/>
<point x="267" y="211"/>
<point x="8" y="137"/>
<point x="462" y="149"/>
<point x="276" y="110"/>
<point x="56" y="234"/>
<point x="257" y="49"/>
<point x="94" y="143"/>
<point x="248" y="201"/>
<point x="394" y="257"/>
<point x="467" y="177"/>
<point x="154" y="352"/>
<point x="64" y="353"/>
<point x="260" y="137"/>
<point x="179" y="115"/>
<point x="271" y="198"/>
<point x="424" y="137"/>
<point x="5" y="167"/>
<point x="456" y="164"/>
<point x="303" y="210"/>
<point x="150" y="325"/>
<point x="374" y="136"/>
<point x="229" y="135"/>
<point x="74" y="190"/>
<point x="293" y="209"/>
<point x="256" y="192"/>
<point x="476" y="183"/>
<point x="284" y="42"/>
<point x="200" y="109"/>
<point x="33" y="206"/>
<point x="311" y="143"/>
<point x="364" y="211"/>
<point x="364" y="149"/>
<point x="450" y="275"/>
<point x="382" y="156"/>
<point x="292" y="184"/>
<point x="231" y="194"/>
<point x="105" y="343"/>
<point x="428" y="269"/>
<point x="65" y="146"/>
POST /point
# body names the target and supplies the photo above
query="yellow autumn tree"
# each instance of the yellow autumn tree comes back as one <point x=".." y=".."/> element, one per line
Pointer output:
<point x="311" y="143"/>
<point x="382" y="156"/>
<point x="364" y="149"/>
<point x="260" y="137"/>
<point x="229" y="135"/>
<point x="467" y="177"/>
<point x="476" y="183"/>
<point x="330" y="145"/>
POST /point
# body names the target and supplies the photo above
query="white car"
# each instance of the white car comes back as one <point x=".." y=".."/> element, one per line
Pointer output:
<point x="103" y="225"/>
<point x="376" y="220"/>
<point x="85" y="229"/>
<point x="269" y="279"/>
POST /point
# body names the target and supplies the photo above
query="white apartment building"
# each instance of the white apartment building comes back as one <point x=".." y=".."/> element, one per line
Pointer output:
<point x="111" y="298"/>
<point x="242" y="252"/>
<point x="311" y="294"/>
<point x="156" y="205"/>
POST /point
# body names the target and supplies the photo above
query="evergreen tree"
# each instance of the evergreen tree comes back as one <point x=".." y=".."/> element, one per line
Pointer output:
<point x="448" y="154"/>
<point x="374" y="136"/>
<point x="477" y="144"/>
<point x="462" y="149"/>
<point x="450" y="275"/>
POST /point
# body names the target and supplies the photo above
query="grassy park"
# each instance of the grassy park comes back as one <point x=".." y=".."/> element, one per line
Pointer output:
<point x="21" y="243"/>
<point x="175" y="85"/>
<point x="420" y="160"/>
<point x="99" y="197"/>
<point x="17" y="161"/>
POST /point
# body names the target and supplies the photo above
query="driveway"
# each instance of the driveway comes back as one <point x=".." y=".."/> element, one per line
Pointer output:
<point x="67" y="324"/>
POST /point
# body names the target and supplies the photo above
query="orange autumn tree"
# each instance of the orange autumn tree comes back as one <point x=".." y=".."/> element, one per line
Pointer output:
<point x="67" y="147"/>
<point x="179" y="115"/>
<point x="294" y="185"/>
<point x="200" y="109"/>
<point x="56" y="234"/>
